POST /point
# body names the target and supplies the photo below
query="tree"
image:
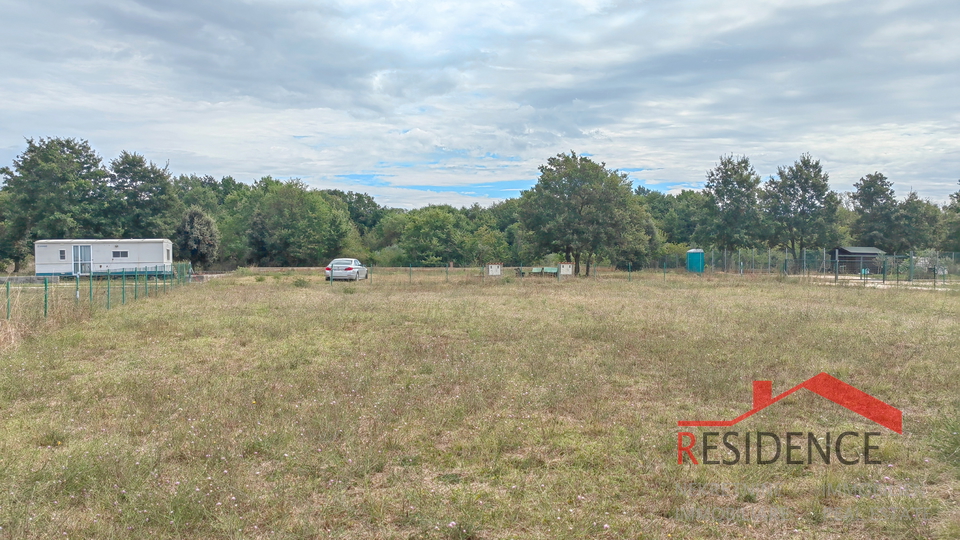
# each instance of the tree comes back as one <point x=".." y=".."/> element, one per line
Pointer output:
<point x="432" y="236"/>
<point x="951" y="224"/>
<point x="486" y="245"/>
<point x="145" y="198"/>
<point x="916" y="225"/>
<point x="640" y="240"/>
<point x="579" y="208"/>
<point x="801" y="207"/>
<point x="676" y="216"/>
<point x="732" y="212"/>
<point x="197" y="238"/>
<point x="291" y="225"/>
<point x="364" y="212"/>
<point x="876" y="205"/>
<point x="12" y="246"/>
<point x="58" y="189"/>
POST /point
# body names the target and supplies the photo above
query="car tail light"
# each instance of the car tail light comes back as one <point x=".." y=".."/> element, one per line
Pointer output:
<point x="327" y="269"/>
<point x="349" y="268"/>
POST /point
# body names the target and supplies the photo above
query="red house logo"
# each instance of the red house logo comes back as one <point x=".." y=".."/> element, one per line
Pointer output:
<point x="767" y="447"/>
<point x="823" y="385"/>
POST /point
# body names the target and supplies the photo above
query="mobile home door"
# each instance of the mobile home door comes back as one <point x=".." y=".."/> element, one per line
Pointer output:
<point x="82" y="260"/>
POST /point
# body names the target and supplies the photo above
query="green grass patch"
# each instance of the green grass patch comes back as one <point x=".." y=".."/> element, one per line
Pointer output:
<point x="444" y="405"/>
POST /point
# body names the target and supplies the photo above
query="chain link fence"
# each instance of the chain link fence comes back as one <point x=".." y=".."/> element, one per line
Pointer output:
<point x="930" y="266"/>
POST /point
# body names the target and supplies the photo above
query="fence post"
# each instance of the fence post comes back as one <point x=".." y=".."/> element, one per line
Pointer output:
<point x="911" y="267"/>
<point x="665" y="266"/>
<point x="629" y="272"/>
<point x="91" y="286"/>
<point x="897" y="266"/>
<point x="46" y="293"/>
<point x="156" y="277"/>
<point x="411" y="273"/>
<point x="78" y="288"/>
<point x="108" y="289"/>
<point x="8" y="300"/>
<point x="836" y="267"/>
<point x="136" y="283"/>
<point x="123" y="293"/>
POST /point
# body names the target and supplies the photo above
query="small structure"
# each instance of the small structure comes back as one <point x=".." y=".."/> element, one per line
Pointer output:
<point x="695" y="260"/>
<point x="856" y="260"/>
<point x="566" y="269"/>
<point x="495" y="269"/>
<point x="70" y="257"/>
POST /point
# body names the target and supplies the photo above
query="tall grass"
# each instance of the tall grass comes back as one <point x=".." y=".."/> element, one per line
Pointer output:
<point x="503" y="408"/>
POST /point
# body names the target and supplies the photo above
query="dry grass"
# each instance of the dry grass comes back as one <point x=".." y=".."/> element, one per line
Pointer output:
<point x="401" y="408"/>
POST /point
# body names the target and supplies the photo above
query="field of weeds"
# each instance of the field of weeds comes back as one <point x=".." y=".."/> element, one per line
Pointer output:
<point x="281" y="406"/>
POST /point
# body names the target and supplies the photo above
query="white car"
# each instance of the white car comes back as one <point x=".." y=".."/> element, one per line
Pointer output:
<point x="351" y="269"/>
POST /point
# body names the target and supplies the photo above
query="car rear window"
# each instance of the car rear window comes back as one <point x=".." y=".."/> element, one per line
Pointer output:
<point x="342" y="262"/>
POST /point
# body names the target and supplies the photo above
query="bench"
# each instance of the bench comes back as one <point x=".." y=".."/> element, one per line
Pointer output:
<point x="552" y="270"/>
<point x="536" y="271"/>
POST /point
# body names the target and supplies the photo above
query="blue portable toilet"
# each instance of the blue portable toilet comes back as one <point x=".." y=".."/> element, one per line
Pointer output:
<point x="695" y="260"/>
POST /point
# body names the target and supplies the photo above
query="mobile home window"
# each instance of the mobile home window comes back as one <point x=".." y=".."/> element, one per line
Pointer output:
<point x="63" y="254"/>
<point x="121" y="254"/>
<point x="168" y="254"/>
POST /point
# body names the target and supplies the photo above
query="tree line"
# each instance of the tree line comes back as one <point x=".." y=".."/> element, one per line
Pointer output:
<point x="579" y="210"/>
<point x="797" y="210"/>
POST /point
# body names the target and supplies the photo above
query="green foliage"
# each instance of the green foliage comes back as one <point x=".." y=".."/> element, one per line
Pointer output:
<point x="676" y="216"/>
<point x="733" y="208"/>
<point x="12" y="246"/>
<point x="197" y="238"/>
<point x="801" y="208"/>
<point x="895" y="227"/>
<point x="579" y="208"/>
<point x="364" y="212"/>
<point x="291" y="225"/>
<point x="486" y="245"/>
<point x="145" y="201"/>
<point x="876" y="207"/>
<point x="433" y="235"/>
<point x="917" y="224"/>
<point x="58" y="189"/>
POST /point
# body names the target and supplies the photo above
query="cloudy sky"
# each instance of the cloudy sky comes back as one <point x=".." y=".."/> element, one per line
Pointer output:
<point x="420" y="102"/>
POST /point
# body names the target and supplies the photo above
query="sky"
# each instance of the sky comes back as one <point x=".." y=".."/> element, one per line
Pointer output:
<point x="452" y="102"/>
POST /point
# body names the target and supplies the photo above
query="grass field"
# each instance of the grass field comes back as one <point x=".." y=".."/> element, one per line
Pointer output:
<point x="280" y="406"/>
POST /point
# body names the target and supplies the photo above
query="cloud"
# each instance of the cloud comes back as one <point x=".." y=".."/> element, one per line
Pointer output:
<point x="456" y="95"/>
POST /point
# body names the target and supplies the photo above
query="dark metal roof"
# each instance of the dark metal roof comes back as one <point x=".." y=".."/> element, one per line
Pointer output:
<point x="860" y="250"/>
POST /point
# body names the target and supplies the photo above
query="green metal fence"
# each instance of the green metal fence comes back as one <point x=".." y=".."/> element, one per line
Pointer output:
<point x="72" y="295"/>
<point x="930" y="266"/>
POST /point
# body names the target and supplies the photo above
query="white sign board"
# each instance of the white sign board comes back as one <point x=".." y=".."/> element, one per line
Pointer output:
<point x="566" y="269"/>
<point x="494" y="269"/>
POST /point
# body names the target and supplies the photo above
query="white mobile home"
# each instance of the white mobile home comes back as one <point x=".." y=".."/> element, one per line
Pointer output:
<point x="103" y="257"/>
